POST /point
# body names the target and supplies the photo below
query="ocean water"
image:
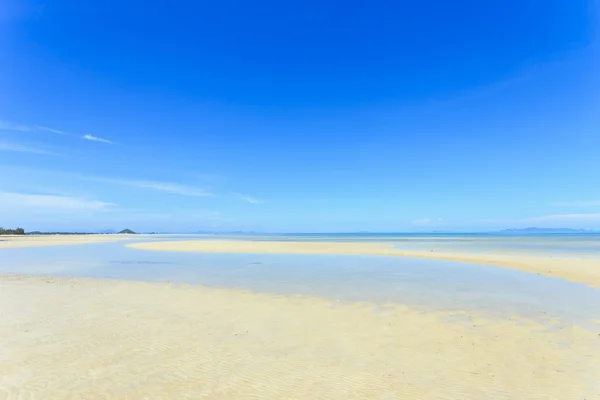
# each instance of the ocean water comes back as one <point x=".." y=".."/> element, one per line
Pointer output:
<point x="429" y="284"/>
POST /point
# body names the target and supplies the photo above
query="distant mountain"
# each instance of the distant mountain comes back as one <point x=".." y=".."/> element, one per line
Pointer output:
<point x="108" y="232"/>
<point x="127" y="231"/>
<point x="547" y="230"/>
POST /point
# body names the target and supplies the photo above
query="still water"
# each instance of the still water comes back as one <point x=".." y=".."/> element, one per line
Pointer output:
<point x="430" y="284"/>
<point x="586" y="245"/>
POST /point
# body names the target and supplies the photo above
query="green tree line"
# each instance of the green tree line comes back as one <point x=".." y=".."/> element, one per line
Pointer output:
<point x="18" y="231"/>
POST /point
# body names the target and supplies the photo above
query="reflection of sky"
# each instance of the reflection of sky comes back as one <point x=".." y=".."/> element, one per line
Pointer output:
<point x="419" y="282"/>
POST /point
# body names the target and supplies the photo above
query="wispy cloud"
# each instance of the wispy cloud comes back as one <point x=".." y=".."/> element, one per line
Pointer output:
<point x="248" y="199"/>
<point x="577" y="204"/>
<point x="96" y="139"/>
<point x="11" y="126"/>
<point x="36" y="202"/>
<point x="45" y="128"/>
<point x="168" y="187"/>
<point x="5" y="146"/>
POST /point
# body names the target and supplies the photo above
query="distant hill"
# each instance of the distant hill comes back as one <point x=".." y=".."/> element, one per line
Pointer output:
<point x="127" y="231"/>
<point x="546" y="230"/>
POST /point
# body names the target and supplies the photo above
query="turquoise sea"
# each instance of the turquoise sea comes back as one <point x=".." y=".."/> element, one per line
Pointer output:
<point x="428" y="284"/>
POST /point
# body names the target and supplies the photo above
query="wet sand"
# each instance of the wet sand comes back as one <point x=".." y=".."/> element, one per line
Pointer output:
<point x="580" y="270"/>
<point x="91" y="338"/>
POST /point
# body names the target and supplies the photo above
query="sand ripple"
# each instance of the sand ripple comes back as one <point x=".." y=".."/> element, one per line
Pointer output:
<point x="101" y="339"/>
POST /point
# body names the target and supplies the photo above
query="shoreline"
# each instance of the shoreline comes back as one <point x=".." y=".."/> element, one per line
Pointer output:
<point x="88" y="337"/>
<point x="578" y="270"/>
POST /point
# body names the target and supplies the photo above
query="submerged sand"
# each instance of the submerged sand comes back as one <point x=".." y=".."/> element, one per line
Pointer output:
<point x="106" y="339"/>
<point x="573" y="269"/>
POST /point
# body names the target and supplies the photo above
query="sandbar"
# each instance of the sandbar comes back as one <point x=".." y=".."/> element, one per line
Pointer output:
<point x="18" y="241"/>
<point x="93" y="338"/>
<point x="580" y="270"/>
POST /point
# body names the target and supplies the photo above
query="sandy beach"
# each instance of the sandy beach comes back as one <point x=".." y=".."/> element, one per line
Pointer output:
<point x="580" y="270"/>
<point x="106" y="338"/>
<point x="18" y="241"/>
<point x="89" y="339"/>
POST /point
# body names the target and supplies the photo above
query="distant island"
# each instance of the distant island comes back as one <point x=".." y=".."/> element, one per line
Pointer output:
<point x="547" y="230"/>
<point x="127" y="232"/>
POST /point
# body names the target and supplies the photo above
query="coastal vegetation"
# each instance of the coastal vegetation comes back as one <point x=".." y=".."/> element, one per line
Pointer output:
<point x="21" y="231"/>
<point x="17" y="231"/>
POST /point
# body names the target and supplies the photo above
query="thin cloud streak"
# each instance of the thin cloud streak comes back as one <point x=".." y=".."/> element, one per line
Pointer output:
<point x="5" y="146"/>
<point x="248" y="199"/>
<point x="168" y="187"/>
<point x="45" y="128"/>
<point x="11" y="126"/>
<point x="21" y="201"/>
<point x="96" y="139"/>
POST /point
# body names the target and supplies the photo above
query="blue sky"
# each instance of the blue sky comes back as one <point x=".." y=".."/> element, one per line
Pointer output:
<point x="312" y="116"/>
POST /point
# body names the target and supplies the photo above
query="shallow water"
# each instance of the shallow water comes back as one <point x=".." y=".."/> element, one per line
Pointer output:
<point x="586" y="245"/>
<point x="431" y="284"/>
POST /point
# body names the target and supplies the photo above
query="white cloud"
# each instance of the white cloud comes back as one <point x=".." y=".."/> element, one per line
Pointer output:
<point x="248" y="199"/>
<point x="96" y="139"/>
<point x="10" y="202"/>
<point x="577" y="204"/>
<point x="11" y="126"/>
<point x="168" y="187"/>
<point x="52" y="212"/>
<point x="5" y="146"/>
<point x="45" y="128"/>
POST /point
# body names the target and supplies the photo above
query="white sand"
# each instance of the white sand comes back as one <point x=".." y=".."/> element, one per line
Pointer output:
<point x="103" y="339"/>
<point x="579" y="270"/>
<point x="18" y="241"/>
<point x="108" y="339"/>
